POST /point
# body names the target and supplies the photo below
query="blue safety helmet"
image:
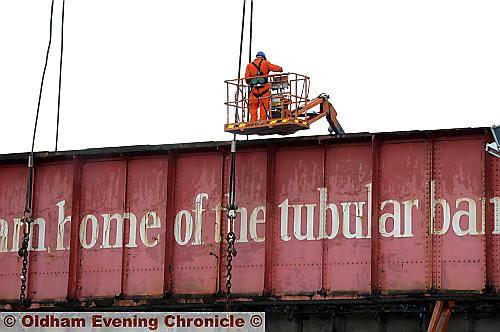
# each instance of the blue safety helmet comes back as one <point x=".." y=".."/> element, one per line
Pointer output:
<point x="261" y="54"/>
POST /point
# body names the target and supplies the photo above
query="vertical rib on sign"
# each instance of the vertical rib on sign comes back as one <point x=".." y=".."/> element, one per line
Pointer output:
<point x="493" y="217"/>
<point x="169" y="224"/>
<point x="437" y="216"/>
<point x="428" y="212"/>
<point x="270" y="219"/>
<point x="324" y="244"/>
<point x="485" y="239"/>
<point x="125" y="229"/>
<point x="75" y="248"/>
<point x="375" y="215"/>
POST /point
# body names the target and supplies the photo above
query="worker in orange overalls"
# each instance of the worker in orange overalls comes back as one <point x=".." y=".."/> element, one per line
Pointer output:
<point x="260" y="94"/>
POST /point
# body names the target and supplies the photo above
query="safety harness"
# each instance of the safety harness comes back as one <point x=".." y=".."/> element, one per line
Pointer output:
<point x="259" y="95"/>
<point x="258" y="82"/>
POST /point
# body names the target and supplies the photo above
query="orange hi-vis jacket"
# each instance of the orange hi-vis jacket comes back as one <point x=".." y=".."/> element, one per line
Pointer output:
<point x="260" y="96"/>
<point x="265" y="67"/>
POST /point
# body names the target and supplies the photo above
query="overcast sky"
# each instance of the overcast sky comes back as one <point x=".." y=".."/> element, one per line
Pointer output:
<point x="152" y="72"/>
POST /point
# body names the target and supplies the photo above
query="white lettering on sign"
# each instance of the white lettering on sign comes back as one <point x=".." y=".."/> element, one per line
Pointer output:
<point x="369" y="200"/>
<point x="445" y="212"/>
<point x="38" y="224"/>
<point x="183" y="217"/>
<point x="297" y="221"/>
<point x="106" y="231"/>
<point x="83" y="231"/>
<point x="408" y="212"/>
<point x="254" y="221"/>
<point x="243" y="213"/>
<point x="61" y="221"/>
<point x="395" y="217"/>
<point x="4" y="235"/>
<point x="132" y="236"/>
<point x="15" y="235"/>
<point x="346" y="217"/>
<point x="496" y="214"/>
<point x="470" y="213"/>
<point x="145" y="225"/>
<point x="284" y="220"/>
<point x="323" y="216"/>
<point x="198" y="220"/>
<point x="119" y="221"/>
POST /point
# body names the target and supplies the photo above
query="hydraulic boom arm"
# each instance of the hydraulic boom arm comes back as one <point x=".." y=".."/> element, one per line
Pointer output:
<point x="326" y="109"/>
<point x="298" y="119"/>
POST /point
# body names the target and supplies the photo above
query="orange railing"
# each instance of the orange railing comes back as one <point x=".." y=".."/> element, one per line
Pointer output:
<point x="289" y="93"/>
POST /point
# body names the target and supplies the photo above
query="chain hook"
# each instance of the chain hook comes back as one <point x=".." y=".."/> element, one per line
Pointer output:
<point x="231" y="250"/>
<point x="23" y="252"/>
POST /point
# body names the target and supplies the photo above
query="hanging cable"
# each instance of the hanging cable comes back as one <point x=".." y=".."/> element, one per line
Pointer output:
<point x="26" y="219"/>
<point x="251" y="32"/>
<point x="250" y="50"/>
<point x="60" y="75"/>
<point x="43" y="77"/>
<point x="231" y="209"/>
<point x="239" y="61"/>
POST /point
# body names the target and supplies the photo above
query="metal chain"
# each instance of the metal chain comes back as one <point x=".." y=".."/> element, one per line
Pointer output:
<point x="231" y="250"/>
<point x="231" y="216"/>
<point x="23" y="252"/>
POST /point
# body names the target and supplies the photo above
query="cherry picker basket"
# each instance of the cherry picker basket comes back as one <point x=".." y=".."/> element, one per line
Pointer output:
<point x="289" y="94"/>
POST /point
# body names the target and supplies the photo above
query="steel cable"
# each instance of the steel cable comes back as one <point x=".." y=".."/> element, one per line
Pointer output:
<point x="26" y="219"/>
<point x="250" y="53"/>
<point x="60" y="75"/>
<point x="231" y="209"/>
<point x="28" y="203"/>
<point x="236" y="117"/>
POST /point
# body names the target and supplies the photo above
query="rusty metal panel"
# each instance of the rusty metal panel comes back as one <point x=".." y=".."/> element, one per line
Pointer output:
<point x="458" y="234"/>
<point x="348" y="177"/>
<point x="144" y="245"/>
<point x="298" y="254"/>
<point x="334" y="214"/>
<point x="402" y="221"/>
<point x="12" y="196"/>
<point x="248" y="267"/>
<point x="197" y="203"/>
<point x="48" y="263"/>
<point x="103" y="203"/>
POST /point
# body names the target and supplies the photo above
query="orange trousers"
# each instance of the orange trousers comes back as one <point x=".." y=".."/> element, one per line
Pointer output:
<point x="261" y="103"/>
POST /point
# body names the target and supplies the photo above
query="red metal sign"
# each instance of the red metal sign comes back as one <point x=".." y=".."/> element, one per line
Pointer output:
<point x="319" y="218"/>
